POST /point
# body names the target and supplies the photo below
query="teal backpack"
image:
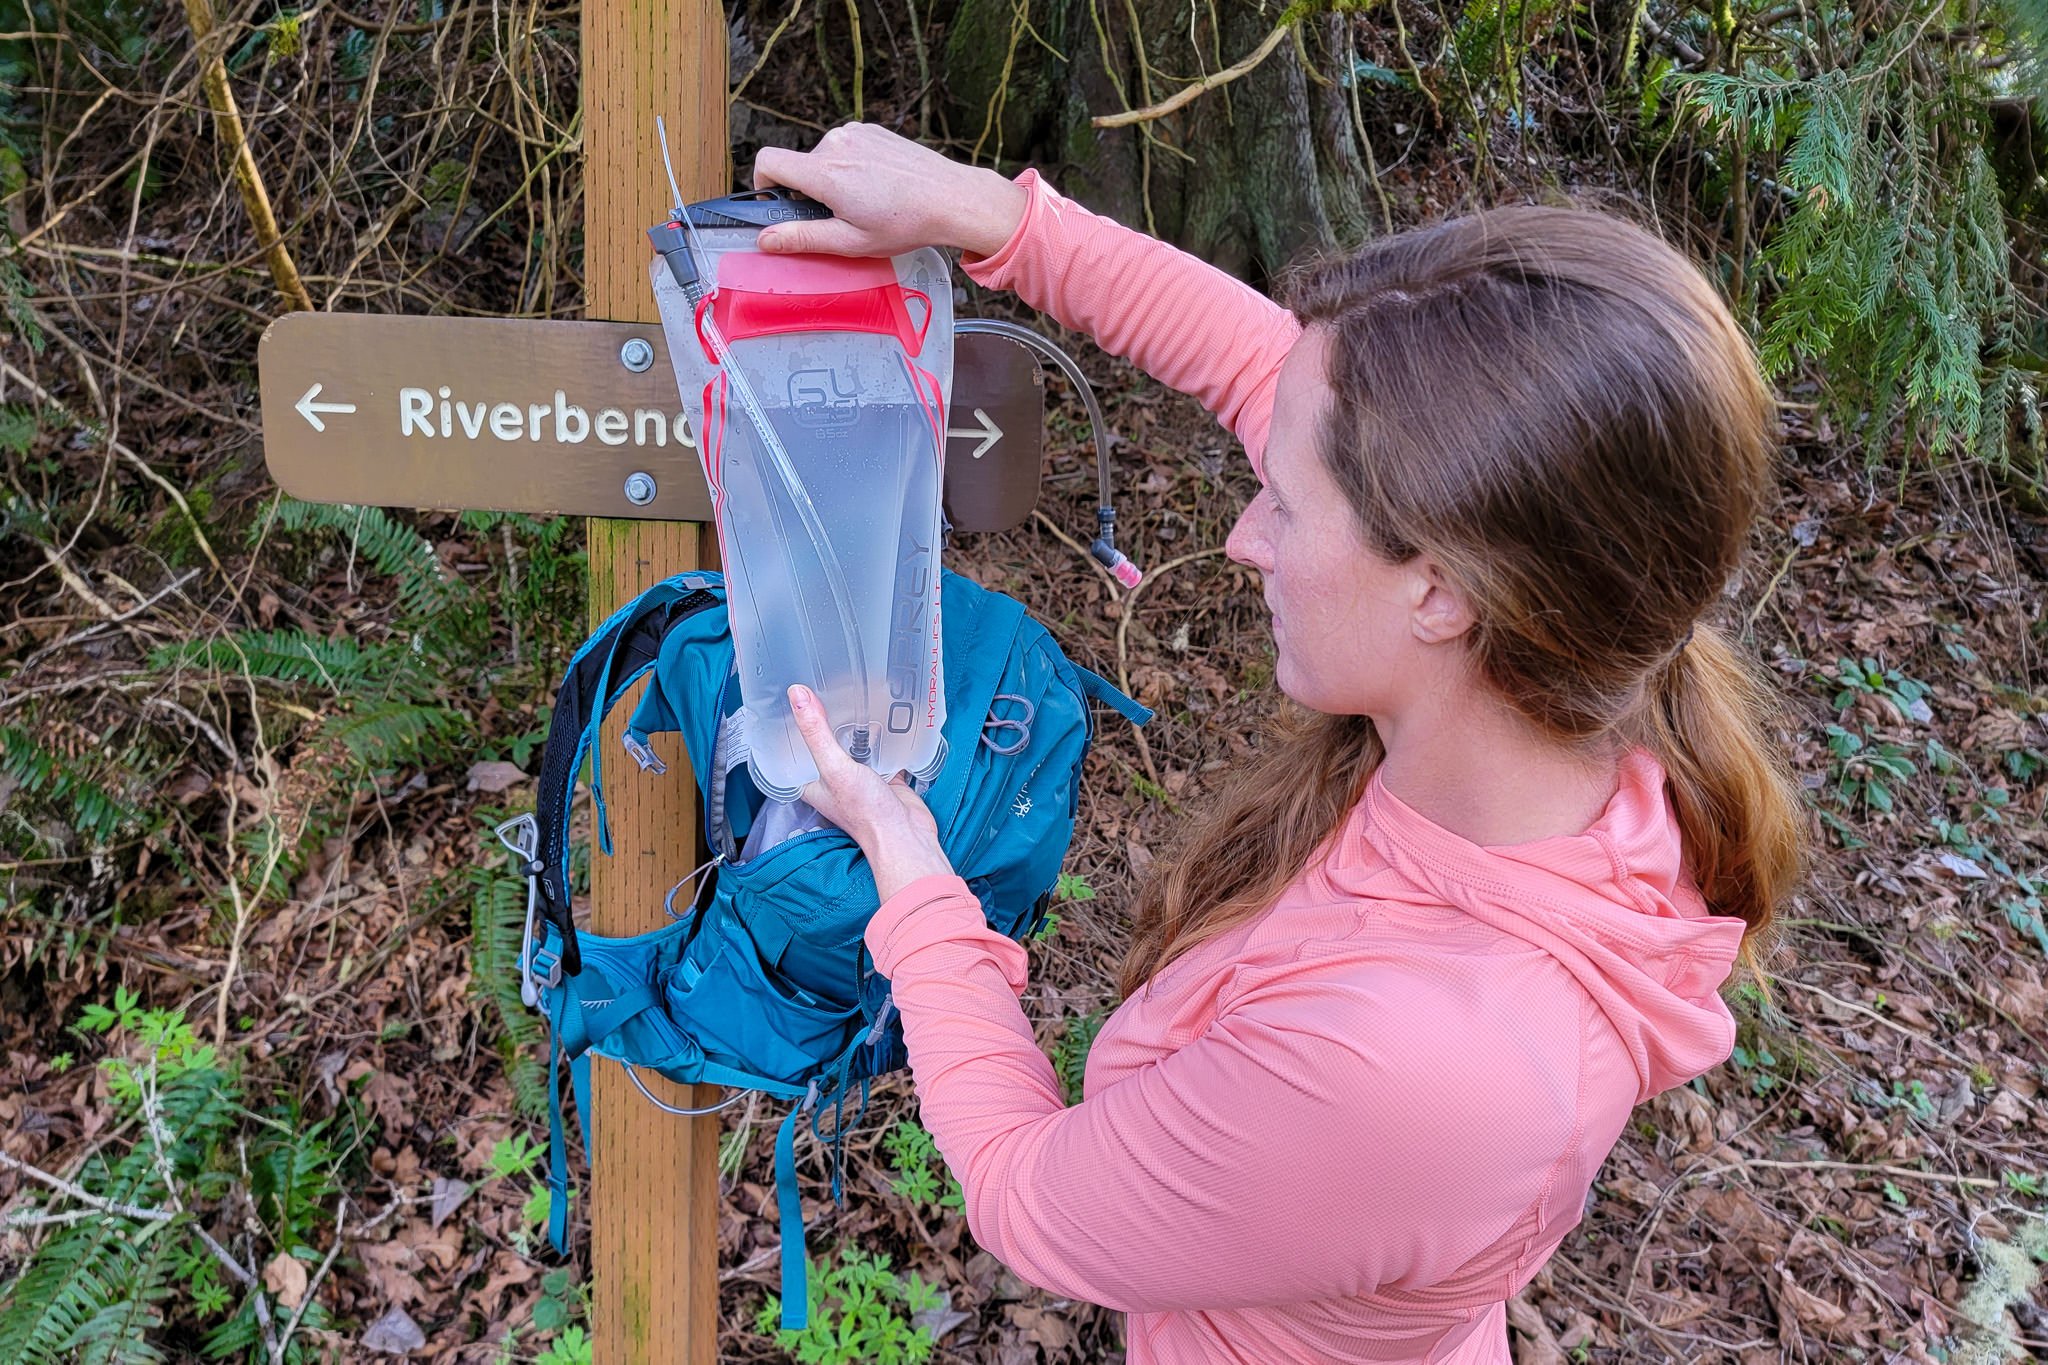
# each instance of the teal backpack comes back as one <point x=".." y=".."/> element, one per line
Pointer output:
<point x="763" y="981"/>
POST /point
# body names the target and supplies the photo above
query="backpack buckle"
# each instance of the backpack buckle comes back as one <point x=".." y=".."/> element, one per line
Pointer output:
<point x="649" y="761"/>
<point x="543" y="968"/>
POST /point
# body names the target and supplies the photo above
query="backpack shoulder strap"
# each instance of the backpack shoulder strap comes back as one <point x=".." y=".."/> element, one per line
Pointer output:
<point x="615" y="655"/>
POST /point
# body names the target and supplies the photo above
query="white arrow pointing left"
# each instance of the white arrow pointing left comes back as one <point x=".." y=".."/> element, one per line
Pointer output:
<point x="311" y="410"/>
<point x="989" y="433"/>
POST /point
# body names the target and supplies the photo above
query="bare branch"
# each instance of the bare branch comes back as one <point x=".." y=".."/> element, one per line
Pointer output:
<point x="228" y="120"/>
<point x="1207" y="83"/>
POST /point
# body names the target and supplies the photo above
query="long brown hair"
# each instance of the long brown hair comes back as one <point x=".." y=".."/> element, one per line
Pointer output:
<point x="1558" y="408"/>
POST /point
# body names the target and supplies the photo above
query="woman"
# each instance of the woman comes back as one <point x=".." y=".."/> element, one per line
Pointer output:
<point x="1389" y="1005"/>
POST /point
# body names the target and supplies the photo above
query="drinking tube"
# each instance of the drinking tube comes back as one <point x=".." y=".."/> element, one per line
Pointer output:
<point x="1103" y="550"/>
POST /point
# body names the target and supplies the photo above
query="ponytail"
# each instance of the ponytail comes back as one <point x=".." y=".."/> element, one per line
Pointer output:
<point x="1738" y="812"/>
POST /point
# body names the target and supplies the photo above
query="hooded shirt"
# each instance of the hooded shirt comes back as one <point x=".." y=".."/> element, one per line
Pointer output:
<point x="1352" y="1126"/>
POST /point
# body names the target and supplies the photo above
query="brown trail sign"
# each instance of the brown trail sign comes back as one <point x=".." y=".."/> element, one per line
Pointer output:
<point x="572" y="418"/>
<point x="584" y="418"/>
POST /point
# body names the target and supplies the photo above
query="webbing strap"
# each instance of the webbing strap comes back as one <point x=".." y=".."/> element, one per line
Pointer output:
<point x="558" y="1146"/>
<point x="623" y="648"/>
<point x="579" y="1081"/>
<point x="1107" y="692"/>
<point x="796" y="1301"/>
<point x="600" y="1022"/>
<point x="558" y="1153"/>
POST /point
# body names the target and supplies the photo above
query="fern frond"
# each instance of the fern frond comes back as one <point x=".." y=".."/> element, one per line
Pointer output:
<point x="118" y="1334"/>
<point x="91" y="1291"/>
<point x="382" y="732"/>
<point x="392" y="549"/>
<point x="293" y="1180"/>
<point x="280" y="655"/>
<point x="17" y="429"/>
<point x="83" y="803"/>
<point x="72" y="1281"/>
<point x="497" y="918"/>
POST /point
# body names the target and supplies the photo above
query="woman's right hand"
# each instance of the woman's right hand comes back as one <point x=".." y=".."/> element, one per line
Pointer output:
<point x="888" y="195"/>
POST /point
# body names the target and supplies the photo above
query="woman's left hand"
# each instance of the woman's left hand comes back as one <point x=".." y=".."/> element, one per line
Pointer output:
<point x="886" y="818"/>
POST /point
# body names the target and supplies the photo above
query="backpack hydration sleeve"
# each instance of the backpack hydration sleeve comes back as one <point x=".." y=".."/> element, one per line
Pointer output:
<point x="762" y="980"/>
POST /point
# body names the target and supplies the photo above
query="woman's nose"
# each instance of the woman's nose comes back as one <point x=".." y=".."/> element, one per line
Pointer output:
<point x="1247" y="542"/>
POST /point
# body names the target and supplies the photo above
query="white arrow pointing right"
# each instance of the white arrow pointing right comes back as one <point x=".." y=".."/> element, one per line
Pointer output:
<point x="989" y="433"/>
<point x="311" y="410"/>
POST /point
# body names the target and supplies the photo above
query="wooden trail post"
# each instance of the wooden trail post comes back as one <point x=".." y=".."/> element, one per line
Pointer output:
<point x="654" y="1177"/>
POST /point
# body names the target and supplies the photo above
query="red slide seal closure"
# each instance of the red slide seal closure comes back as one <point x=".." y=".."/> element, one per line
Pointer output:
<point x="761" y="295"/>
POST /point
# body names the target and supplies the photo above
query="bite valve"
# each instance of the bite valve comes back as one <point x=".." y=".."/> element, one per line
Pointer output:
<point x="1117" y="562"/>
<point x="1104" y="551"/>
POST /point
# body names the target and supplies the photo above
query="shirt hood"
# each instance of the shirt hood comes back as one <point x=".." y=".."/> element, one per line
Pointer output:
<point x="1613" y="905"/>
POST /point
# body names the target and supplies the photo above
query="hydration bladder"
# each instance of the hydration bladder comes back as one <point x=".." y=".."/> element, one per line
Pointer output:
<point x="821" y="386"/>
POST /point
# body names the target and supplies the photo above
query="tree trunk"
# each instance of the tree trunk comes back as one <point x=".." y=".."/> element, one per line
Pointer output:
<point x="1251" y="175"/>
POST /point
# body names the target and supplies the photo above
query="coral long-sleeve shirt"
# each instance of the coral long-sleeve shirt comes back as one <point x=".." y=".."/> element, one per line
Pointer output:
<point x="1351" y="1128"/>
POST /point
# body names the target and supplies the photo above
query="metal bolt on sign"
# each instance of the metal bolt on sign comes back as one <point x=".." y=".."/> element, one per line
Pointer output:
<point x="639" y="488"/>
<point x="636" y="355"/>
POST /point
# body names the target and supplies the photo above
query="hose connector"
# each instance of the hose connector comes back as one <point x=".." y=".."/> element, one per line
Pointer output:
<point x="672" y="244"/>
<point x="1104" y="551"/>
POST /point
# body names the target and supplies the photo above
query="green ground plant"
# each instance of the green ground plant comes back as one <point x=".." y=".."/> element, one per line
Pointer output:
<point x="1868" y="678"/>
<point x="1071" y="886"/>
<point x="125" y="1250"/>
<point x="1070" y="1053"/>
<point x="860" y="1314"/>
<point x="918" y="1173"/>
<point x="1866" y="772"/>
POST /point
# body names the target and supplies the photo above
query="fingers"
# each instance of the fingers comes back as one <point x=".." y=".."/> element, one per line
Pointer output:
<point x="781" y="166"/>
<point x="830" y="236"/>
<point x="816" y="730"/>
<point x="822" y="793"/>
<point x="815" y="172"/>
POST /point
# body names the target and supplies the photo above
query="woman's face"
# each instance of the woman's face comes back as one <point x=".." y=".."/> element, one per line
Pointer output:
<point x="1355" y="634"/>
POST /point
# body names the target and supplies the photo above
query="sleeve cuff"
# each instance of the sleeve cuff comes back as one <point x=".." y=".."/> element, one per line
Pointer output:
<point x="993" y="271"/>
<point x="930" y="909"/>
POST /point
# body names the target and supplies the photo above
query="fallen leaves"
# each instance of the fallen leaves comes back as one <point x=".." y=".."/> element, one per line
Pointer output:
<point x="492" y="776"/>
<point x="394" y="1334"/>
<point x="417" y="1249"/>
<point x="448" y="1195"/>
<point x="285" y="1277"/>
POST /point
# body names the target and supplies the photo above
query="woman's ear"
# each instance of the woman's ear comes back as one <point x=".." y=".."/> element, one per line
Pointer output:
<point x="1440" y="612"/>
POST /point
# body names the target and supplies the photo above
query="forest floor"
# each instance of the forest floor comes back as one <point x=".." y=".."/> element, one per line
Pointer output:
<point x="1864" y="1180"/>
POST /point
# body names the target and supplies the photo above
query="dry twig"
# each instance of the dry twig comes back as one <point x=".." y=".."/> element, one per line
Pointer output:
<point x="228" y="121"/>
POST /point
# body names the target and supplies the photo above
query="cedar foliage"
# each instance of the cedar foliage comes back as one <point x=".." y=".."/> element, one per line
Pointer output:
<point x="1890" y="262"/>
